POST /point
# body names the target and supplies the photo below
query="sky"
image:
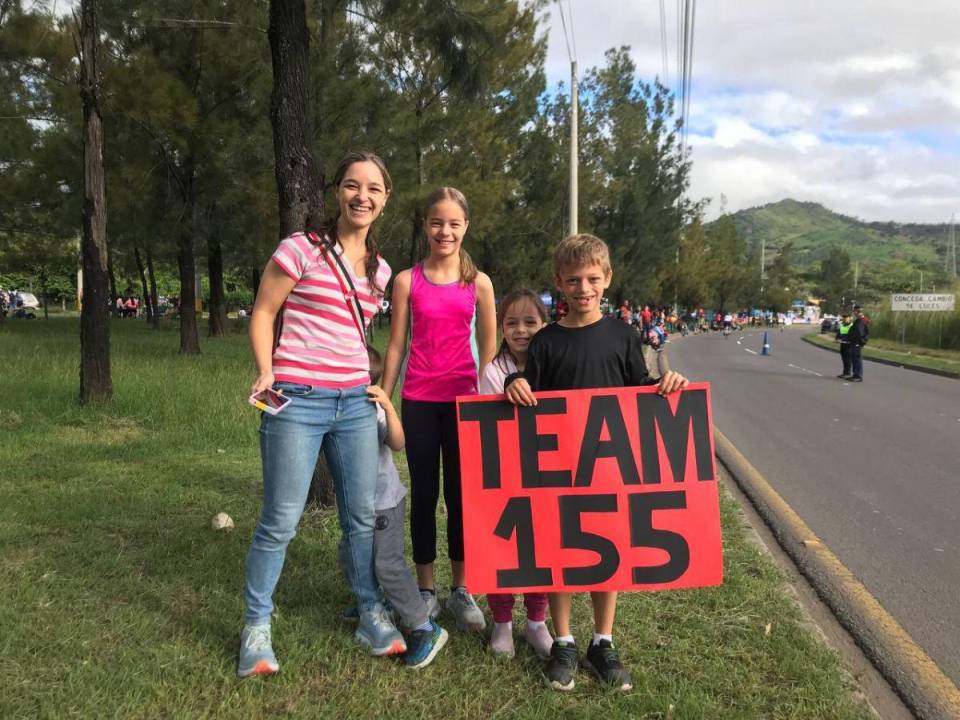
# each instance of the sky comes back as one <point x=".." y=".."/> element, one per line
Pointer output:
<point x="854" y="104"/>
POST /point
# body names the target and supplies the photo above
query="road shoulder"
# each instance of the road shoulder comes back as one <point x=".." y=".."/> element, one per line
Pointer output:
<point x="915" y="677"/>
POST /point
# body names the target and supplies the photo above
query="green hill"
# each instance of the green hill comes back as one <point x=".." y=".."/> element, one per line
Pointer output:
<point x="814" y="230"/>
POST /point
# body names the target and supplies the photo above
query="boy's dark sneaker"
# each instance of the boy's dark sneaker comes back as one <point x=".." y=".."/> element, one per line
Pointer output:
<point x="562" y="666"/>
<point x="856" y="378"/>
<point x="603" y="661"/>
<point x="423" y="646"/>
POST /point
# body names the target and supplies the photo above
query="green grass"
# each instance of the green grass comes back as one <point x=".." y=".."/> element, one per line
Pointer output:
<point x="948" y="360"/>
<point x="117" y="600"/>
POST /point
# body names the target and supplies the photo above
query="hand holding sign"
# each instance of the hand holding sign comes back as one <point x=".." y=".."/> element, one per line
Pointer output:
<point x="590" y="490"/>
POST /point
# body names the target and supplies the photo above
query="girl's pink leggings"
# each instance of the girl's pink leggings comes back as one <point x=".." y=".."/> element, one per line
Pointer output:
<point x="501" y="604"/>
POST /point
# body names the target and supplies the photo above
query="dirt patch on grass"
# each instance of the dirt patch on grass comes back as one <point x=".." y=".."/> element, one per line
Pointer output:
<point x="107" y="433"/>
<point x="9" y="420"/>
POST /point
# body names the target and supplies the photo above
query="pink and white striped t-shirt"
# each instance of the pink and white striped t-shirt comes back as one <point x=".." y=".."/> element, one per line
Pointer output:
<point x="320" y="344"/>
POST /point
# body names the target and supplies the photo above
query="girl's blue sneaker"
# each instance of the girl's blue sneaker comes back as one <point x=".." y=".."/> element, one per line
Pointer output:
<point x="423" y="646"/>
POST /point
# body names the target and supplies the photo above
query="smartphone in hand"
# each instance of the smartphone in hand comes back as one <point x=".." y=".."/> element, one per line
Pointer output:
<point x="269" y="400"/>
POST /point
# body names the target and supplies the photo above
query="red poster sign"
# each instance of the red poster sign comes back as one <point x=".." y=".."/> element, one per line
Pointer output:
<point x="610" y="489"/>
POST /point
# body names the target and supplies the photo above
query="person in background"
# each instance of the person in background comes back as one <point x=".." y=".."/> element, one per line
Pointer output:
<point x="857" y="336"/>
<point x="843" y="330"/>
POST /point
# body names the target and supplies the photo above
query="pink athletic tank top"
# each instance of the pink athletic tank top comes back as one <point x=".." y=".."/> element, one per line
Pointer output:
<point x="441" y="363"/>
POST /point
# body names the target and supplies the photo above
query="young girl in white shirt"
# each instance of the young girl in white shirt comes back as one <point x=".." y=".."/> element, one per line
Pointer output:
<point x="521" y="316"/>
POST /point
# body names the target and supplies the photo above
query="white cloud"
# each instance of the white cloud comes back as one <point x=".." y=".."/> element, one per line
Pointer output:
<point x="731" y="132"/>
<point x="853" y="104"/>
<point x="872" y="64"/>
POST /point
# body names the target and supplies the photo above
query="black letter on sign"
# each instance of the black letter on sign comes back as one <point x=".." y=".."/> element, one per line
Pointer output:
<point x="654" y="412"/>
<point x="573" y="537"/>
<point x="488" y="414"/>
<point x="531" y="444"/>
<point x="605" y="409"/>
<point x="518" y="515"/>
<point x="642" y="534"/>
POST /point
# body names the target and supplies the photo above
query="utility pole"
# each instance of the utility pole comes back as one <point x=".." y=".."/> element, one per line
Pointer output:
<point x="950" y="256"/>
<point x="953" y="244"/>
<point x="856" y="274"/>
<point x="574" y="151"/>
<point x="763" y="265"/>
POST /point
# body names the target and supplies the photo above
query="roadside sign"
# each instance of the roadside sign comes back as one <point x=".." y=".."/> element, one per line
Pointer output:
<point x="922" y="302"/>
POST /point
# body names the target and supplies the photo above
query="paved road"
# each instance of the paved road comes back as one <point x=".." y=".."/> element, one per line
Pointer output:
<point x="873" y="468"/>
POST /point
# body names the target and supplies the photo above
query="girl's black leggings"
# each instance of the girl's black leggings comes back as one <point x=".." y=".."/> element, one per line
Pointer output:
<point x="431" y="432"/>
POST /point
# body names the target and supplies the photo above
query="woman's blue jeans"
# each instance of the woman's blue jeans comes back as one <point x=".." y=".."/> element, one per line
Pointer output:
<point x="344" y="424"/>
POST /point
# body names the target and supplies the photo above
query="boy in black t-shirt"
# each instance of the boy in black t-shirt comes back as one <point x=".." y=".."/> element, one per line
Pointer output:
<point x="584" y="350"/>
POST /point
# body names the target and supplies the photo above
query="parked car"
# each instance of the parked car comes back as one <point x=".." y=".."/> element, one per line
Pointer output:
<point x="829" y="324"/>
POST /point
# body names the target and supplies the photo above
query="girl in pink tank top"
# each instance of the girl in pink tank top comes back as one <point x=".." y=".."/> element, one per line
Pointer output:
<point x="440" y="301"/>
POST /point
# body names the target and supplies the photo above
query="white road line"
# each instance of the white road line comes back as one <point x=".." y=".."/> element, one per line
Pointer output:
<point x="811" y="372"/>
<point x="752" y="352"/>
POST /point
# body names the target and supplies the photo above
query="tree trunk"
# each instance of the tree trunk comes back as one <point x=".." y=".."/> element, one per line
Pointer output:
<point x="415" y="235"/>
<point x="96" y="384"/>
<point x="218" y="309"/>
<point x="255" y="280"/>
<point x="147" y="304"/>
<point x="299" y="184"/>
<point x="154" y="297"/>
<point x="43" y="294"/>
<point x="189" y="339"/>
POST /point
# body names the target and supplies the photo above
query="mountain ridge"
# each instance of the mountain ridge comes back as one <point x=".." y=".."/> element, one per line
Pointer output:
<point x="814" y="229"/>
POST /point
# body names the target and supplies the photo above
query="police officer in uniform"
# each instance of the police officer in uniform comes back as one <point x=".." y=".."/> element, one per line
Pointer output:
<point x="843" y="329"/>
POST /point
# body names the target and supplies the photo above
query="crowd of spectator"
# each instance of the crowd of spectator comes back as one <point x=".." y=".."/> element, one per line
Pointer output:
<point x="13" y="304"/>
<point x="657" y="323"/>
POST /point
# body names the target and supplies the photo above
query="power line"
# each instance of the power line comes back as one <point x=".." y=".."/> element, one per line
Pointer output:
<point x="663" y="43"/>
<point x="679" y="73"/>
<point x="687" y="21"/>
<point x="566" y="38"/>
<point x="688" y="93"/>
<point x="573" y="30"/>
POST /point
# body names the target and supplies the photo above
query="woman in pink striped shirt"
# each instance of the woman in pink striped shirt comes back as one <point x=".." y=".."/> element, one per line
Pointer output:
<point x="321" y="363"/>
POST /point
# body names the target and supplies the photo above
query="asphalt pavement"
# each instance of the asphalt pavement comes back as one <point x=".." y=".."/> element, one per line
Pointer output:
<point x="873" y="468"/>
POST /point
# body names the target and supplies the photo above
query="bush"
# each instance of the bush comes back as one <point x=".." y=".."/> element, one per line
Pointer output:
<point x="929" y="329"/>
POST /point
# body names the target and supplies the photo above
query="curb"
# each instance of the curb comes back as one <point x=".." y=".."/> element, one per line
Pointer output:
<point x="912" y="673"/>
<point x="893" y="363"/>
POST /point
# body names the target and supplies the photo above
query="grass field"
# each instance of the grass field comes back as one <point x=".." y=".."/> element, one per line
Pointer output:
<point x="117" y="600"/>
<point x="948" y="360"/>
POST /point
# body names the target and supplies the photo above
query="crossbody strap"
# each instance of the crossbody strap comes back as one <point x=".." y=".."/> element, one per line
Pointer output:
<point x="354" y="308"/>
